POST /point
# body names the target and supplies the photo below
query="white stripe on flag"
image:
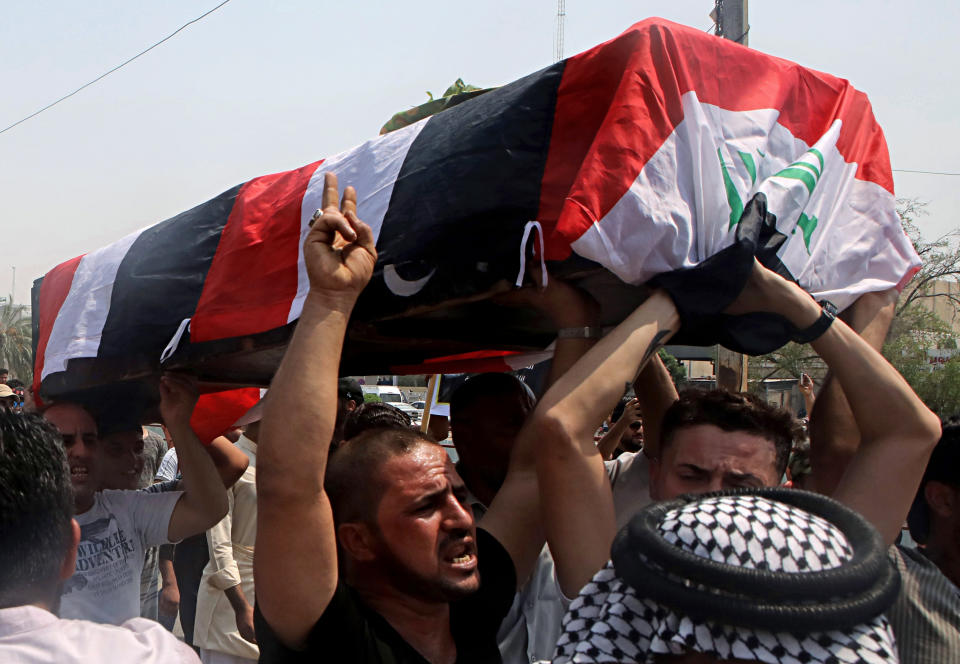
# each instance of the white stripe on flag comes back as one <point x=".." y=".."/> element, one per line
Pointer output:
<point x="677" y="212"/>
<point x="79" y="324"/>
<point x="372" y="168"/>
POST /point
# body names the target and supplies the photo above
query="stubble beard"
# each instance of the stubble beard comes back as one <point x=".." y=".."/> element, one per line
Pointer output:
<point x="437" y="588"/>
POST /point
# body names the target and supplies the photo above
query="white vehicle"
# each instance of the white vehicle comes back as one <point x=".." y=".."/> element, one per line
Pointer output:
<point x="387" y="393"/>
<point x="415" y="415"/>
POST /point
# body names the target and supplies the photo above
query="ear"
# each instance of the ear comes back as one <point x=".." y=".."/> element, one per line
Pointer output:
<point x="357" y="541"/>
<point x="941" y="498"/>
<point x="69" y="564"/>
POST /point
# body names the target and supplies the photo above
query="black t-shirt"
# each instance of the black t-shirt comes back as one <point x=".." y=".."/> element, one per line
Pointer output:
<point x="350" y="631"/>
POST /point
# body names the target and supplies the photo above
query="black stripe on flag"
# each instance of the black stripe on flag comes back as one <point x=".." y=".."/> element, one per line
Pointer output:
<point x="161" y="277"/>
<point x="468" y="185"/>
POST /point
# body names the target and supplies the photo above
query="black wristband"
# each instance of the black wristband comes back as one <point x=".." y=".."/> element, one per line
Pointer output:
<point x="828" y="313"/>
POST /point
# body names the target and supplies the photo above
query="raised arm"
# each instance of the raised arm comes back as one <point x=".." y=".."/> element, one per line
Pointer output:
<point x="229" y="460"/>
<point x="897" y="431"/>
<point x="296" y="555"/>
<point x="655" y="393"/>
<point x="204" y="500"/>
<point x="575" y="497"/>
<point x="834" y="435"/>
<point x="611" y="440"/>
<point x="514" y="515"/>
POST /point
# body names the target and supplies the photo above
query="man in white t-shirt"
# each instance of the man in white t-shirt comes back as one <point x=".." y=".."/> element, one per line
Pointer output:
<point x="38" y="550"/>
<point x="116" y="527"/>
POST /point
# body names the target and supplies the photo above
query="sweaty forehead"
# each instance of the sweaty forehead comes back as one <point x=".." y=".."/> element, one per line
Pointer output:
<point x="710" y="447"/>
<point x="427" y="467"/>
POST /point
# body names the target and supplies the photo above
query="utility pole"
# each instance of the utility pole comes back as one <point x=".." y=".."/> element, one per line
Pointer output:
<point x="558" y="35"/>
<point x="730" y="18"/>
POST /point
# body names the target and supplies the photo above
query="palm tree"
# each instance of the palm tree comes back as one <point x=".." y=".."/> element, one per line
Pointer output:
<point x="16" y="342"/>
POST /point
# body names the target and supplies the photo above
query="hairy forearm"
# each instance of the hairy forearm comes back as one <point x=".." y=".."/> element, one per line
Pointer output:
<point x="592" y="387"/>
<point x="882" y="402"/>
<point x="575" y="313"/>
<point x="834" y="434"/>
<point x="575" y="497"/>
<point x="655" y="393"/>
<point x="300" y="411"/>
<point x="897" y="431"/>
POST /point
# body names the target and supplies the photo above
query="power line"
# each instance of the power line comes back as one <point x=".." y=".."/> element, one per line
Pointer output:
<point x="907" y="170"/>
<point x="120" y="66"/>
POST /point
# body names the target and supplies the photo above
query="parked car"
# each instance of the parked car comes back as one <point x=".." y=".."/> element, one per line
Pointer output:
<point x="387" y="393"/>
<point x="415" y="415"/>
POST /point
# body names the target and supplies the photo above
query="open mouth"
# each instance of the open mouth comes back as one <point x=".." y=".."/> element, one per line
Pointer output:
<point x="463" y="554"/>
<point x="79" y="473"/>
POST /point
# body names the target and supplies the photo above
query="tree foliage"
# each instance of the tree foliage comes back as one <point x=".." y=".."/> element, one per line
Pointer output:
<point x="915" y="328"/>
<point x="16" y="341"/>
<point x="678" y="372"/>
<point x="941" y="258"/>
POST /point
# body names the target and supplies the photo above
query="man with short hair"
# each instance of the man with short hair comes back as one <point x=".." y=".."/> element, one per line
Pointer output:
<point x="713" y="424"/>
<point x="4" y="375"/>
<point x="38" y="550"/>
<point x="926" y="616"/>
<point x="118" y="526"/>
<point x="486" y="413"/>
<point x="394" y="568"/>
<point x="626" y="430"/>
<point x="703" y="451"/>
<point x="374" y="415"/>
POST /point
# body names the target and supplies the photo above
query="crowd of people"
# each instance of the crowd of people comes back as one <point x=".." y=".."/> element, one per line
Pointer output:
<point x="331" y="530"/>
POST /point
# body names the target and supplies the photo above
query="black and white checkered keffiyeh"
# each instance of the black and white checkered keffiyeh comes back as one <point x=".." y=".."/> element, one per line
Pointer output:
<point x="610" y="621"/>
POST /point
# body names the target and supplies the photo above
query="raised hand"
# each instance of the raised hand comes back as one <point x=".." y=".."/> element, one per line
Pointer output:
<point x="339" y="251"/>
<point x="178" y="397"/>
<point x="767" y="291"/>
<point x="631" y="412"/>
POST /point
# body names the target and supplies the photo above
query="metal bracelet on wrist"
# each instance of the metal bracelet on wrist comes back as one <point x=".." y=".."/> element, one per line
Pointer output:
<point x="586" y="332"/>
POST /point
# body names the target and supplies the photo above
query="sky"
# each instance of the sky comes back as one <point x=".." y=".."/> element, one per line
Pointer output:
<point x="261" y="87"/>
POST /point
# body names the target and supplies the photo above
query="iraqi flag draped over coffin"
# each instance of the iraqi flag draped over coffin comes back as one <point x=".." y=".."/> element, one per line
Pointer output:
<point x="630" y="161"/>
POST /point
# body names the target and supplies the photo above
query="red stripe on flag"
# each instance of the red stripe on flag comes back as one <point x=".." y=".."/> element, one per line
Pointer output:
<point x="619" y="101"/>
<point x="253" y="277"/>
<point x="216" y="412"/>
<point x="53" y="292"/>
<point x="475" y="362"/>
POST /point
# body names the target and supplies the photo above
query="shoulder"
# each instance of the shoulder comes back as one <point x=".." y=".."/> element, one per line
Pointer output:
<point x="626" y="464"/>
<point x="913" y="564"/>
<point x="116" y="498"/>
<point x="342" y="633"/>
<point x="140" y="640"/>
